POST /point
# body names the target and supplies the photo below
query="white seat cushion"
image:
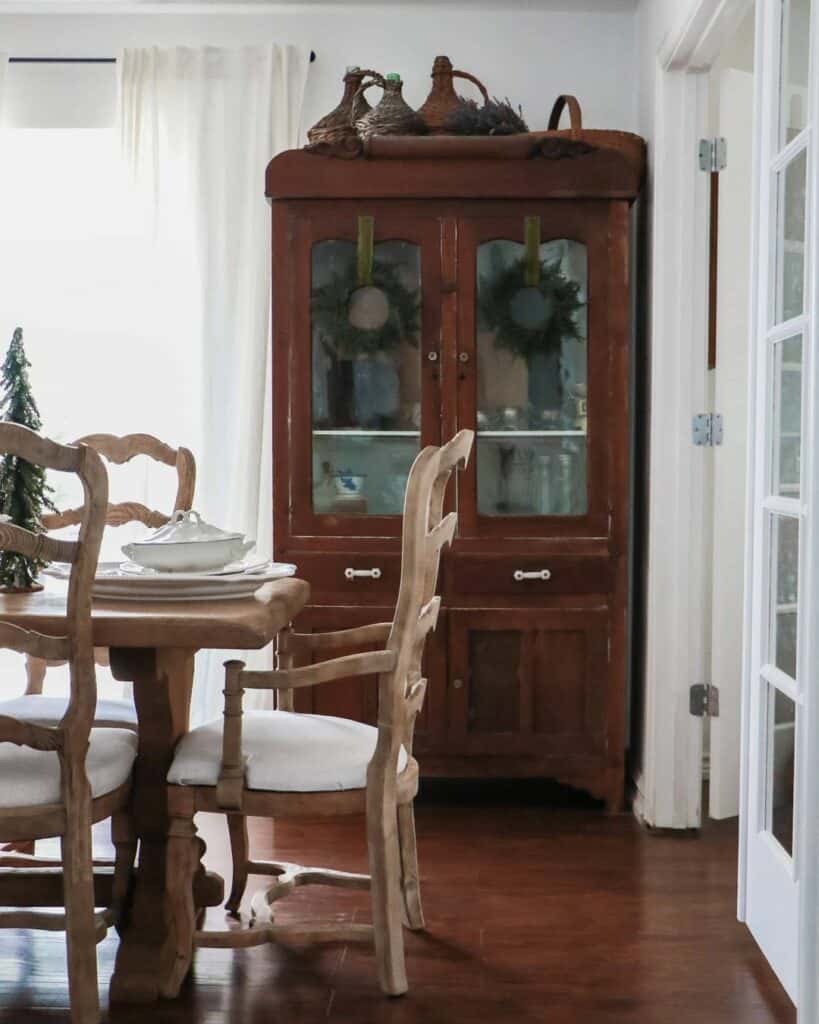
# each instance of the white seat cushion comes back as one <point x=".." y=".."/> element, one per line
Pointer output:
<point x="34" y="707"/>
<point x="285" y="753"/>
<point x="31" y="778"/>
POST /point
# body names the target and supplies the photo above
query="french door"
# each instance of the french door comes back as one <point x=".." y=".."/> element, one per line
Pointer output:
<point x="779" y="842"/>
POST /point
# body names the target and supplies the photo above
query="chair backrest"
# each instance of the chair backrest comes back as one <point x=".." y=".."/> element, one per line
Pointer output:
<point x="120" y="450"/>
<point x="426" y="531"/>
<point x="70" y="737"/>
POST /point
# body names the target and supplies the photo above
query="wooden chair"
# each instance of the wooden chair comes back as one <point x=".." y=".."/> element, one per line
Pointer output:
<point x="280" y="764"/>
<point x="58" y="780"/>
<point x="32" y="704"/>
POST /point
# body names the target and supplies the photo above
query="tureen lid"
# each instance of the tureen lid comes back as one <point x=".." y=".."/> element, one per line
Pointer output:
<point x="189" y="527"/>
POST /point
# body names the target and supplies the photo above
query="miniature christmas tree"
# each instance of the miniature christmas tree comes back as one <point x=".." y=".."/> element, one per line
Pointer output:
<point x="24" y="493"/>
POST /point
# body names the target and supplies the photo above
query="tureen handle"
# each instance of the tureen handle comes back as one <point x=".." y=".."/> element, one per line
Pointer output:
<point x="184" y="515"/>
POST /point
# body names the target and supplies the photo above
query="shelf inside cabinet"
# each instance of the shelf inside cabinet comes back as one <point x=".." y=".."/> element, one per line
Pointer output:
<point x="355" y="432"/>
<point x="531" y="433"/>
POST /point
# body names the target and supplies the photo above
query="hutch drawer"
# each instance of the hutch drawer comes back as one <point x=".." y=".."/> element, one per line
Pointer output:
<point x="349" y="578"/>
<point x="529" y="577"/>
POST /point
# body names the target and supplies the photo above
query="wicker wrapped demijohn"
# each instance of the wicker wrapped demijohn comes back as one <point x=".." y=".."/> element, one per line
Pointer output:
<point x="443" y="99"/>
<point x="337" y="126"/>
<point x="392" y="115"/>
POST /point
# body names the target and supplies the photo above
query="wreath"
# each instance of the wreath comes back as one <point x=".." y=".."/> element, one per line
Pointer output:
<point x="333" y="312"/>
<point x="529" y="319"/>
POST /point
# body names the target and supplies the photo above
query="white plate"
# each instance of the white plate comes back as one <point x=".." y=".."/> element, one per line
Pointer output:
<point x="233" y="569"/>
<point x="112" y="583"/>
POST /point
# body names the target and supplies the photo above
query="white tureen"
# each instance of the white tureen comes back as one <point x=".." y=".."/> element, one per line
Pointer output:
<point x="188" y="544"/>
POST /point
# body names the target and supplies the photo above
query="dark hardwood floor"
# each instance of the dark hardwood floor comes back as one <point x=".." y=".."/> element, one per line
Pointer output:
<point x="535" y="913"/>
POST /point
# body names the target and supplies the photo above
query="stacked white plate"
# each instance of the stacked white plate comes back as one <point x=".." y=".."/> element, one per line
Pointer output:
<point x="127" y="581"/>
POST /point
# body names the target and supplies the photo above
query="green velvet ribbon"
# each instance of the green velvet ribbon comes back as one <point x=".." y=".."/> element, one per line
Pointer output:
<point x="366" y="233"/>
<point x="531" y="235"/>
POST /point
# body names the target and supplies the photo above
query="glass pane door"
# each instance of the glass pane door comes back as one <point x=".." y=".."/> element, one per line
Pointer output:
<point x="532" y="376"/>
<point x="779" y="675"/>
<point x="366" y="320"/>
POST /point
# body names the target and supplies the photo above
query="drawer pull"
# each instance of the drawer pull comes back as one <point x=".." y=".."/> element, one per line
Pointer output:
<point x="357" y="574"/>
<point x="538" y="574"/>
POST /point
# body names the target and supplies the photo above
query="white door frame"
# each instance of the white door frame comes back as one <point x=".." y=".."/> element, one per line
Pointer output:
<point x="669" y="783"/>
<point x="807" y="740"/>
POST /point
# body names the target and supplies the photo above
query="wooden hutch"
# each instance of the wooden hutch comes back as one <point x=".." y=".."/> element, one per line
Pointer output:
<point x="528" y="667"/>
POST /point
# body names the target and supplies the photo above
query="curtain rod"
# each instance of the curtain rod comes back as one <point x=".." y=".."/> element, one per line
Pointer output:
<point x="83" y="60"/>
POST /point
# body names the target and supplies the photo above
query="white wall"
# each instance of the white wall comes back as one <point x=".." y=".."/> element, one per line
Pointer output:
<point x="528" y="55"/>
<point x="656" y="753"/>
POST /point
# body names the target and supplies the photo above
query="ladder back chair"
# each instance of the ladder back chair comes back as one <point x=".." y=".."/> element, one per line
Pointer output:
<point x="117" y="450"/>
<point x="60" y="779"/>
<point x="281" y="764"/>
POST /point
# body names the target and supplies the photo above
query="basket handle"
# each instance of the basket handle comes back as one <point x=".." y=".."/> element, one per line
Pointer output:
<point x="374" y="79"/>
<point x="575" y="115"/>
<point x="474" y="80"/>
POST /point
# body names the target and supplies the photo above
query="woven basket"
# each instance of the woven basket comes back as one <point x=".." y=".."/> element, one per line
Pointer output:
<point x="337" y="127"/>
<point x="392" y="115"/>
<point x="443" y="99"/>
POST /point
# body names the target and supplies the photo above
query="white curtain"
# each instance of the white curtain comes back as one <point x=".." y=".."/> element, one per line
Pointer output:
<point x="4" y="63"/>
<point x="198" y="128"/>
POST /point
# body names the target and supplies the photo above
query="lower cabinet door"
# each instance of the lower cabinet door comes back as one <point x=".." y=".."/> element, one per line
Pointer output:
<point x="531" y="685"/>
<point x="357" y="697"/>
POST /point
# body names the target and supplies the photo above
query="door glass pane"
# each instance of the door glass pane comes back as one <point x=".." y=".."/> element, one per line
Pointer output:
<point x="787" y="439"/>
<point x="366" y="382"/>
<point x="795" y="67"/>
<point x="781" y="751"/>
<point x="790" y="245"/>
<point x="785" y="592"/>
<point x="532" y="379"/>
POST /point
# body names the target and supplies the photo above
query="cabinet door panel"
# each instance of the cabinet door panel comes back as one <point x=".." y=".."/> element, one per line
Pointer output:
<point x="528" y="681"/>
<point x="498" y="659"/>
<point x="357" y="698"/>
<point x="364" y="396"/>
<point x="533" y="348"/>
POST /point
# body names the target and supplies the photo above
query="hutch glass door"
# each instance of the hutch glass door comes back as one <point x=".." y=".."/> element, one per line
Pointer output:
<point x="532" y="374"/>
<point x="371" y="297"/>
<point x="526" y="351"/>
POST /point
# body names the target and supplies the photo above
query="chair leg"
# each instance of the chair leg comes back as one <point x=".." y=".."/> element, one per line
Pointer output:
<point x="385" y="892"/>
<point x="125" y="846"/>
<point x="181" y="865"/>
<point x="35" y="674"/>
<point x="410" y="885"/>
<point x="239" y="852"/>
<point x="80" y="927"/>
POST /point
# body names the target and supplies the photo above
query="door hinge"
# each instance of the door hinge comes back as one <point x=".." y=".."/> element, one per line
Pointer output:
<point x="706" y="429"/>
<point x="712" y="154"/>
<point x="703" y="700"/>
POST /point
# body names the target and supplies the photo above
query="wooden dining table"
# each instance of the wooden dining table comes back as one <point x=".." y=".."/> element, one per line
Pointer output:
<point x="152" y="645"/>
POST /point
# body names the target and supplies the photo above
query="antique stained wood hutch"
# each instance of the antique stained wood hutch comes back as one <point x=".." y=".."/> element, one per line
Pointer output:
<point x="527" y="671"/>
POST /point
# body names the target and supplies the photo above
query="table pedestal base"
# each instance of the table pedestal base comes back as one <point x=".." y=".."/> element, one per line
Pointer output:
<point x="162" y="681"/>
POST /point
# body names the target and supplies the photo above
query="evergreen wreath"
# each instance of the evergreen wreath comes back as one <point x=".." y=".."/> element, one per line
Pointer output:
<point x="502" y="285"/>
<point x="24" y="493"/>
<point x="330" y="306"/>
